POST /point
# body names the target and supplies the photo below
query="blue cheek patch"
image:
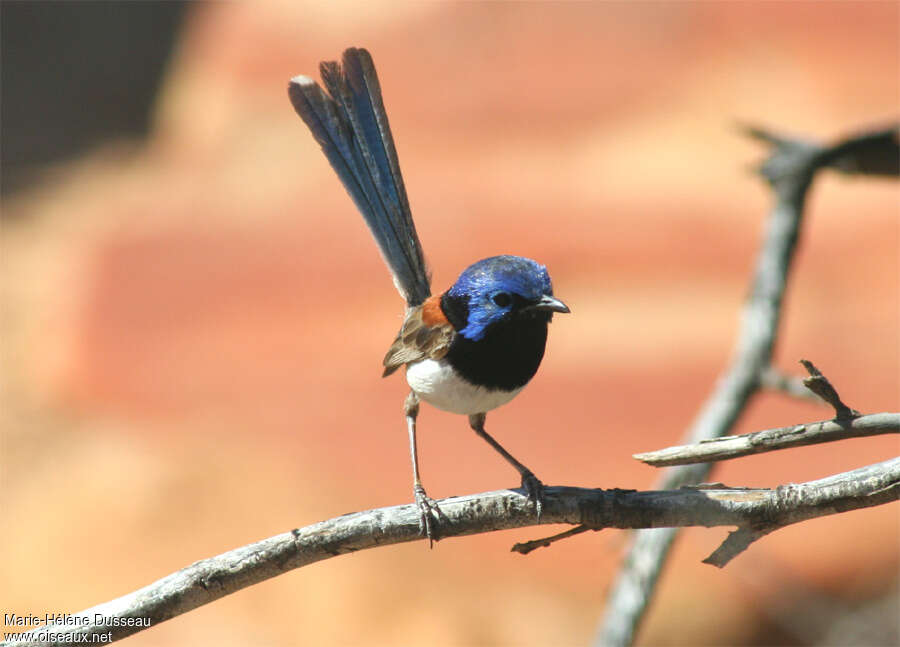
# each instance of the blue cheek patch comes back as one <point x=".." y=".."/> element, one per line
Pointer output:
<point x="481" y="315"/>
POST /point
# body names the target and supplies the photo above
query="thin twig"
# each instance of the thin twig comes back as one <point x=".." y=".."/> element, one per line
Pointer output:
<point x="213" y="578"/>
<point x="811" y="433"/>
<point x="526" y="547"/>
<point x="819" y="384"/>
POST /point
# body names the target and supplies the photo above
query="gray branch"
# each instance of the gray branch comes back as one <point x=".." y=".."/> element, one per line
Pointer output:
<point x="754" y="511"/>
<point x="811" y="433"/>
<point x="789" y="169"/>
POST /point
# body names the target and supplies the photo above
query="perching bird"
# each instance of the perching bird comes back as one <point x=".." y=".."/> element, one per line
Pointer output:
<point x="468" y="350"/>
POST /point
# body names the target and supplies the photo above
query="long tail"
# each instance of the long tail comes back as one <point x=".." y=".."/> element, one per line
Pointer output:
<point x="352" y="128"/>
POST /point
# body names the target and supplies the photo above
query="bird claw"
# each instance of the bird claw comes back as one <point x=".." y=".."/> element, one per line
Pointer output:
<point x="534" y="489"/>
<point x="429" y="512"/>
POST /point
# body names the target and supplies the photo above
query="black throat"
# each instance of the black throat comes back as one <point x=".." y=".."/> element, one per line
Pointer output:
<point x="508" y="355"/>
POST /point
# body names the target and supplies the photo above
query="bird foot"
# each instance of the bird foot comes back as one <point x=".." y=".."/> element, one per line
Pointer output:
<point x="534" y="489"/>
<point x="429" y="512"/>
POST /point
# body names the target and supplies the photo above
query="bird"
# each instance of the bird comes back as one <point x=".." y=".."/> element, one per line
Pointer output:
<point x="467" y="350"/>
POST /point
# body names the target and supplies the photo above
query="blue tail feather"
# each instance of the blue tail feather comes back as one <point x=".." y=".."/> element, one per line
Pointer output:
<point x="352" y="128"/>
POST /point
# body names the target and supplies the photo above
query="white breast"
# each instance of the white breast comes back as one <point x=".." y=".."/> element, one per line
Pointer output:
<point x="436" y="383"/>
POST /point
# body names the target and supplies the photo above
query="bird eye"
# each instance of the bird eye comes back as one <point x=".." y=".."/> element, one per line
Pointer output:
<point x="502" y="299"/>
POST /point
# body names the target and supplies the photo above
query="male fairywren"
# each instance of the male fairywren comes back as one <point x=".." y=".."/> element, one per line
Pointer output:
<point x="468" y="350"/>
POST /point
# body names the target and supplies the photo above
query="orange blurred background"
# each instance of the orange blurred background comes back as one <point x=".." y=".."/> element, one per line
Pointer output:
<point x="194" y="323"/>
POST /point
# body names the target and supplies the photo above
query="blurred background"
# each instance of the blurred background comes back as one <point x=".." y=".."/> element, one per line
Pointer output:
<point x="194" y="314"/>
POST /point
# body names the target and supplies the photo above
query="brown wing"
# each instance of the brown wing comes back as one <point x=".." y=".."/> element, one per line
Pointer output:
<point x="418" y="339"/>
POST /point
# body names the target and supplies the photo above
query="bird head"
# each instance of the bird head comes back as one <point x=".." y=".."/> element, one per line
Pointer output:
<point x="499" y="289"/>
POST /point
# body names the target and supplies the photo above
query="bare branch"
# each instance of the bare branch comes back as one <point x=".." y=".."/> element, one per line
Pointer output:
<point x="525" y="547"/>
<point x="213" y="578"/>
<point x="819" y="384"/>
<point x="737" y="542"/>
<point x="871" y="153"/>
<point x="811" y="433"/>
<point x="794" y="503"/>
<point x="789" y="169"/>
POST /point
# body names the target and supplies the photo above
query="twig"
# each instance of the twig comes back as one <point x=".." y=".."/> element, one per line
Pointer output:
<point x="789" y="169"/>
<point x="213" y="578"/>
<point x="819" y="384"/>
<point x="872" y="153"/>
<point x="526" y="547"/>
<point x="811" y="433"/>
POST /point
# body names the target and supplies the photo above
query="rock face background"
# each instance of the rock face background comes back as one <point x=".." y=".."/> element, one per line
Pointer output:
<point x="194" y="322"/>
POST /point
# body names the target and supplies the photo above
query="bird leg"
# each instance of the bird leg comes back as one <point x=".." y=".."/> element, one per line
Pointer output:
<point x="428" y="509"/>
<point x="530" y="483"/>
